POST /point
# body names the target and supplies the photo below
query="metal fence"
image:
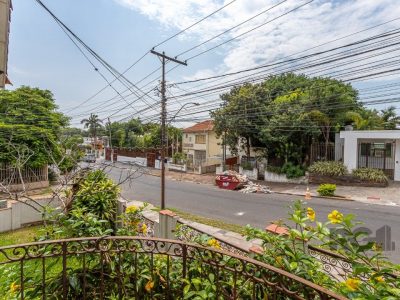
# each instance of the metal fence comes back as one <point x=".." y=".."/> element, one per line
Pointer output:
<point x="142" y="268"/>
<point x="334" y="264"/>
<point x="10" y="175"/>
<point x="377" y="156"/>
<point x="320" y="151"/>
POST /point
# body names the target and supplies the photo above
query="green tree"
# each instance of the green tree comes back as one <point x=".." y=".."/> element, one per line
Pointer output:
<point x="390" y="118"/>
<point x="236" y="119"/>
<point x="365" y="119"/>
<point x="324" y="123"/>
<point x="93" y="123"/>
<point x="29" y="118"/>
<point x="286" y="113"/>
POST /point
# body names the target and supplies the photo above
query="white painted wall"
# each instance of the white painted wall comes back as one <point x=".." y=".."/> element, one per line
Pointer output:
<point x="397" y="161"/>
<point x="251" y="174"/>
<point x="350" y="152"/>
<point x="18" y="214"/>
<point x="273" y="177"/>
<point x="5" y="219"/>
<point x="141" y="161"/>
<point x="175" y="167"/>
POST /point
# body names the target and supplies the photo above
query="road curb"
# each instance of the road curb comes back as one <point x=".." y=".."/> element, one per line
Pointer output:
<point x="322" y="197"/>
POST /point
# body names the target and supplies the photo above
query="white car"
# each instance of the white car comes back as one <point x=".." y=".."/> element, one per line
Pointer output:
<point x="90" y="158"/>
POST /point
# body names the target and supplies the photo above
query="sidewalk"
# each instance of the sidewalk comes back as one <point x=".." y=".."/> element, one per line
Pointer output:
<point x="385" y="196"/>
<point x="375" y="195"/>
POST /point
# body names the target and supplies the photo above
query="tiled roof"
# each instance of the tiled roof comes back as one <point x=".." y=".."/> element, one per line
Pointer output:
<point x="201" y="127"/>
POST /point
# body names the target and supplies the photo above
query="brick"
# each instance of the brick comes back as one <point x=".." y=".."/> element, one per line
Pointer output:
<point x="256" y="249"/>
<point x="277" y="229"/>
<point x="167" y="212"/>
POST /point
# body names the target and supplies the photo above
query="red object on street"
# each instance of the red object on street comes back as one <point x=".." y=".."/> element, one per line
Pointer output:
<point x="228" y="182"/>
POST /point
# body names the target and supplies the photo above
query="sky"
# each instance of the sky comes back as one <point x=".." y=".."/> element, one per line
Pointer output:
<point x="121" y="31"/>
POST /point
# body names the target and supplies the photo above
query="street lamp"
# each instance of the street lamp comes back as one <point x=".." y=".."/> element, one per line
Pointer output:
<point x="163" y="153"/>
<point x="189" y="103"/>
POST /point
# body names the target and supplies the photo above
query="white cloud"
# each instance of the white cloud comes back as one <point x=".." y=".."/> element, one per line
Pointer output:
<point x="314" y="24"/>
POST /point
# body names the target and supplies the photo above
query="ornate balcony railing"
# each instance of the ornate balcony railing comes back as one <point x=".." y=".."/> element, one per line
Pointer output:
<point x="142" y="268"/>
<point x="334" y="264"/>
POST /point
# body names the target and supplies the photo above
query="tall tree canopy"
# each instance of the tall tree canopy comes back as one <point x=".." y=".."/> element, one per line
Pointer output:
<point x="29" y="120"/>
<point x="286" y="112"/>
<point x="93" y="123"/>
<point x="135" y="134"/>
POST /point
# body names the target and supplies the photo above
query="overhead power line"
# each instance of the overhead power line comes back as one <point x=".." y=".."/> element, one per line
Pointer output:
<point x="147" y="52"/>
<point x="73" y="36"/>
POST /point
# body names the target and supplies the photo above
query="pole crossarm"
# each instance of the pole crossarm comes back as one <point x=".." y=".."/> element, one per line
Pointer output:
<point x="168" y="57"/>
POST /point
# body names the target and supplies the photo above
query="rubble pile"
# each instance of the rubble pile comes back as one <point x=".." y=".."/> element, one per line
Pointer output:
<point x="241" y="182"/>
<point x="251" y="187"/>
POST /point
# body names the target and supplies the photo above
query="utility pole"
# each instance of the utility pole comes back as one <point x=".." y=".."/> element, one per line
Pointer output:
<point x="109" y="143"/>
<point x="164" y="58"/>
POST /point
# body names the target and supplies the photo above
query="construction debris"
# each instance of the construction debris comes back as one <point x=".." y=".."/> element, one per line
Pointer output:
<point x="246" y="186"/>
<point x="251" y="187"/>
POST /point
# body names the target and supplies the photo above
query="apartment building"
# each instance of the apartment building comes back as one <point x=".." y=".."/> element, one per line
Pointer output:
<point x="5" y="19"/>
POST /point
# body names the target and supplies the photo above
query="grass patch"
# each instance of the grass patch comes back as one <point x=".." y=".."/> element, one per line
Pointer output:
<point x="207" y="221"/>
<point x="19" y="236"/>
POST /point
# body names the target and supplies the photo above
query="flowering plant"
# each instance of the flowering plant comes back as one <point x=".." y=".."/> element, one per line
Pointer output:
<point x="369" y="274"/>
<point x="133" y="221"/>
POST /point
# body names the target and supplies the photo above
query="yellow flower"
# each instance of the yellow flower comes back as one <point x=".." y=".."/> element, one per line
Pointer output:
<point x="377" y="247"/>
<point x="379" y="279"/>
<point x="134" y="223"/>
<point x="144" y="228"/>
<point x="352" y="284"/>
<point x="335" y="217"/>
<point x="214" y="243"/>
<point x="14" y="287"/>
<point x="131" y="209"/>
<point x="149" y="286"/>
<point x="279" y="260"/>
<point x="311" y="214"/>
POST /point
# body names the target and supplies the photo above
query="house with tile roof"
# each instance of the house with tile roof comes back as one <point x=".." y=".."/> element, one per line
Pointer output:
<point x="201" y="144"/>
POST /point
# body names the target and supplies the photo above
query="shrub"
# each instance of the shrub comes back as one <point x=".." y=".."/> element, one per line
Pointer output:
<point x="326" y="189"/>
<point x="98" y="195"/>
<point x="179" y="158"/>
<point x="274" y="169"/>
<point x="246" y="165"/>
<point x="328" y="168"/>
<point x="369" y="174"/>
<point x="292" y="171"/>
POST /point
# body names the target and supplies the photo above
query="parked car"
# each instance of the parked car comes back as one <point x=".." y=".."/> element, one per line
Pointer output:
<point x="90" y="158"/>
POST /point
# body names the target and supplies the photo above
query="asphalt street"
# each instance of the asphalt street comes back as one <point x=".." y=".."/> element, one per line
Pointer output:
<point x="255" y="209"/>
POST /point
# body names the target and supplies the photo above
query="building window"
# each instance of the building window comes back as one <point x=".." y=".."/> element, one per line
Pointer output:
<point x="190" y="138"/>
<point x="186" y="135"/>
<point x="200" y="139"/>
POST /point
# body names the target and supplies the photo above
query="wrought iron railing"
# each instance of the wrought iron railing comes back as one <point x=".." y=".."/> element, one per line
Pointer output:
<point x="334" y="264"/>
<point x="142" y="268"/>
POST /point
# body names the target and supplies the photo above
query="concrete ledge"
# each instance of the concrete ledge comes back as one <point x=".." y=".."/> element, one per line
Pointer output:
<point x="29" y="186"/>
